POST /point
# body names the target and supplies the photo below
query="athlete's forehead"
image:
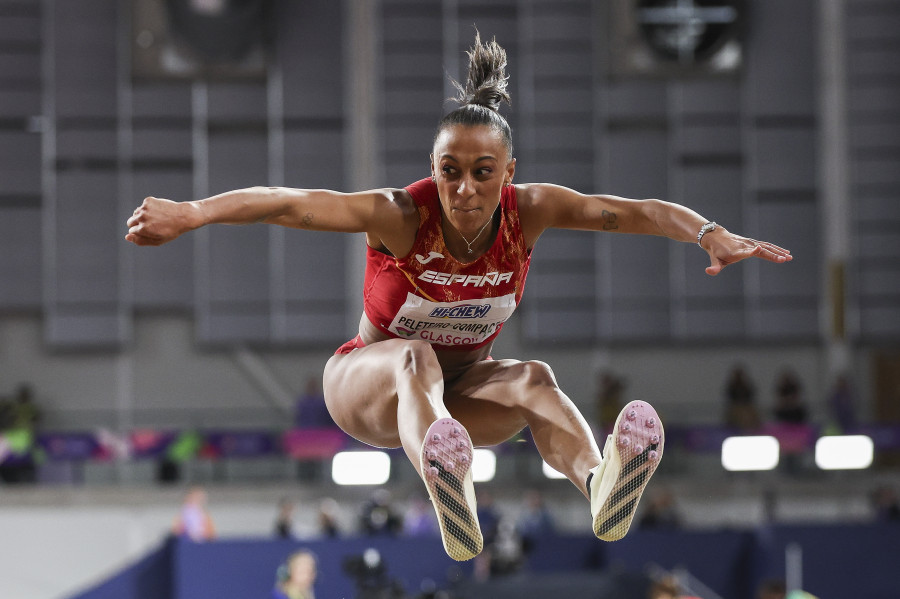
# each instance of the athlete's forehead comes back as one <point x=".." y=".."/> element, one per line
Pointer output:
<point x="469" y="144"/>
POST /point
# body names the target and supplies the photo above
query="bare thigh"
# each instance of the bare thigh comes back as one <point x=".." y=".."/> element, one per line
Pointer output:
<point x="361" y="388"/>
<point x="492" y="398"/>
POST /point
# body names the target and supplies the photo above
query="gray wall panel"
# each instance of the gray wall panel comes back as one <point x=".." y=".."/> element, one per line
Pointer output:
<point x="237" y="101"/>
<point x="163" y="143"/>
<point x="20" y="258"/>
<point x="786" y="159"/>
<point x="239" y="264"/>
<point x="794" y="225"/>
<point x="314" y="159"/>
<point x="739" y="149"/>
<point x="85" y="58"/>
<point x="638" y="164"/>
<point x="633" y="99"/>
<point x="707" y="139"/>
<point x="314" y="264"/>
<point x="780" y="56"/>
<point x="877" y="208"/>
<point x="20" y="66"/>
<point x="640" y="267"/>
<point x="87" y="144"/>
<point x="703" y="96"/>
<point x="311" y="53"/>
<point x="162" y="99"/>
<point x="237" y="160"/>
<point x="722" y="321"/>
<point x="551" y="325"/>
<point x="87" y="235"/>
<point x="639" y="321"/>
<point x="20" y="163"/>
<point x="20" y="102"/>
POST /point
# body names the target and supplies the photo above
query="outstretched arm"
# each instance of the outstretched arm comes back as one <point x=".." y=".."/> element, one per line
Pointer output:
<point x="157" y="221"/>
<point x="544" y="206"/>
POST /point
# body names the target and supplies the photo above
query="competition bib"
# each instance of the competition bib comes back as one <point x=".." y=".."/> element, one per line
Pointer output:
<point x="467" y="322"/>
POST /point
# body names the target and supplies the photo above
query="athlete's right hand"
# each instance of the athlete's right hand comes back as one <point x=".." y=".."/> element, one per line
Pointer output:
<point x="157" y="221"/>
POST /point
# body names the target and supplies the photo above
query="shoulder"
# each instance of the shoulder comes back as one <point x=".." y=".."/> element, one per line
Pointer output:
<point x="398" y="215"/>
<point x="542" y="196"/>
<point x="401" y="200"/>
<point x="539" y="206"/>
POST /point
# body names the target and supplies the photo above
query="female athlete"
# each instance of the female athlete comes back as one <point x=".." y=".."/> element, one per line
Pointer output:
<point x="447" y="258"/>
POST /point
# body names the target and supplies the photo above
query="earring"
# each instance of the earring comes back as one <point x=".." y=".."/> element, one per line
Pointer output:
<point x="433" y="180"/>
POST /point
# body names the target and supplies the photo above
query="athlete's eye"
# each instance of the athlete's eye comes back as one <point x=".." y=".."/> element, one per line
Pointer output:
<point x="448" y="170"/>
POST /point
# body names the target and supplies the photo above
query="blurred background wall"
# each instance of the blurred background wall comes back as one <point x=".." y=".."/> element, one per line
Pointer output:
<point x="98" y="112"/>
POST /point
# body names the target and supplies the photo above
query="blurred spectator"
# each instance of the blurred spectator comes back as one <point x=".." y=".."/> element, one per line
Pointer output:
<point x="419" y="519"/>
<point x="24" y="412"/>
<point x="310" y="410"/>
<point x="843" y="403"/>
<point x="740" y="394"/>
<point x="535" y="520"/>
<point x="660" y="512"/>
<point x="489" y="520"/>
<point x="610" y="389"/>
<point x="19" y="417"/>
<point x="886" y="504"/>
<point x="193" y="520"/>
<point x="507" y="551"/>
<point x="296" y="576"/>
<point x="284" y="522"/>
<point x="185" y="447"/>
<point x="488" y="516"/>
<point x="328" y="520"/>
<point x="772" y="589"/>
<point x="378" y="516"/>
<point x="790" y="406"/>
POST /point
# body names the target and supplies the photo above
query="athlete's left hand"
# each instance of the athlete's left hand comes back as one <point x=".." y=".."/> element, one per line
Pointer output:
<point x="725" y="247"/>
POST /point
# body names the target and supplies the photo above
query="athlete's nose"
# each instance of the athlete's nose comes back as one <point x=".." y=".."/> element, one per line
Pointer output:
<point x="466" y="186"/>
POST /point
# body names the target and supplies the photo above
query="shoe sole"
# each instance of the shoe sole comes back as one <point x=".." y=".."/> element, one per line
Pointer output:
<point x="633" y="452"/>
<point x="446" y="461"/>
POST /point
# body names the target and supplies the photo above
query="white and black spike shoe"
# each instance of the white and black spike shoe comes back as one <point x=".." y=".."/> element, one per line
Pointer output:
<point x="446" y="463"/>
<point x="630" y="457"/>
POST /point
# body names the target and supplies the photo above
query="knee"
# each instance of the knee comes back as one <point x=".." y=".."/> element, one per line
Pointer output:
<point x="418" y="356"/>
<point x="537" y="374"/>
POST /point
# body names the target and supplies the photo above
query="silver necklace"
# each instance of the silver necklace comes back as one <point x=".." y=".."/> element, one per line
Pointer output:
<point x="469" y="243"/>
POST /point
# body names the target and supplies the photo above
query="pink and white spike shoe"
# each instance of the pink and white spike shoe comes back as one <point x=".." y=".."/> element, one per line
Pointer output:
<point x="446" y="462"/>
<point x="630" y="457"/>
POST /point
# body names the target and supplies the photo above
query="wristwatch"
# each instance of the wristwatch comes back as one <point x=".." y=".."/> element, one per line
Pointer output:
<point x="710" y="226"/>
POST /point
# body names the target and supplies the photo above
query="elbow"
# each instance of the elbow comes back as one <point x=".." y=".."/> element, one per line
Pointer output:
<point x="654" y="212"/>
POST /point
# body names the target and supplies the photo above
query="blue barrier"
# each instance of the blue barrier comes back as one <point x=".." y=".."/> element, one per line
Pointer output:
<point x="859" y="561"/>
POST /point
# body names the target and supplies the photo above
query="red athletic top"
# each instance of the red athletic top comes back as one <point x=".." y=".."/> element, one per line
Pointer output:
<point x="428" y="294"/>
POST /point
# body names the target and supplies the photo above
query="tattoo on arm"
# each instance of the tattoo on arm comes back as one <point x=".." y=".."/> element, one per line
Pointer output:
<point x="307" y="219"/>
<point x="609" y="221"/>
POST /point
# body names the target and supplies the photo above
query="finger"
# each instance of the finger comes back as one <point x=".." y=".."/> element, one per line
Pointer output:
<point x="774" y="248"/>
<point x="771" y="255"/>
<point x="141" y="230"/>
<point x="142" y="240"/>
<point x="715" y="266"/>
<point x="132" y="221"/>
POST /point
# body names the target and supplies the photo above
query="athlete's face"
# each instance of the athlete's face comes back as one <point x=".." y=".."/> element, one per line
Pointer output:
<point x="470" y="166"/>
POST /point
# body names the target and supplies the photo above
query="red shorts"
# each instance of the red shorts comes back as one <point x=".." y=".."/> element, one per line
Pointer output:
<point x="348" y="347"/>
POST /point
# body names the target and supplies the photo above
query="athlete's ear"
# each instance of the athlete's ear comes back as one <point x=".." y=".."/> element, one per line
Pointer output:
<point x="510" y="171"/>
<point x="431" y="164"/>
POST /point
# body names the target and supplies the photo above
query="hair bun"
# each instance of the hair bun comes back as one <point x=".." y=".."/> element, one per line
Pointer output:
<point x="487" y="79"/>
